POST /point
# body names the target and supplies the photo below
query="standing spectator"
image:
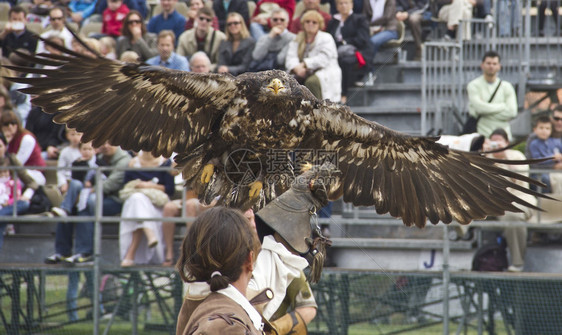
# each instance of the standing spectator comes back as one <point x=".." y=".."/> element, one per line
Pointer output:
<point x="259" y="24"/>
<point x="554" y="8"/>
<point x="58" y="29"/>
<point x="200" y="62"/>
<point x="23" y="144"/>
<point x="194" y="6"/>
<point x="202" y="38"/>
<point x="81" y="10"/>
<point x="111" y="156"/>
<point x="50" y="135"/>
<point x="271" y="49"/>
<point x="235" y="51"/>
<point x="167" y="57"/>
<point x="67" y="156"/>
<point x="411" y="12"/>
<point x="140" y="242"/>
<point x="29" y="187"/>
<point x="295" y="26"/>
<point x="135" y="37"/>
<point x="224" y="8"/>
<point x="453" y="13"/>
<point x="313" y="59"/>
<point x="351" y="33"/>
<point x="169" y="19"/>
<point x="113" y="17"/>
<point x="382" y="20"/>
<point x="502" y="108"/>
<point x="516" y="237"/>
<point x="544" y="146"/>
<point x="15" y="35"/>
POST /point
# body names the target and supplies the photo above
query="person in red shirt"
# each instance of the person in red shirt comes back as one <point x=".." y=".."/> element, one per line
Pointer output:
<point x="113" y="17"/>
<point x="259" y="24"/>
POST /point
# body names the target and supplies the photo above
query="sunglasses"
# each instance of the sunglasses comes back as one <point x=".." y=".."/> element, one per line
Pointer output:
<point x="201" y="18"/>
<point x="56" y="18"/>
<point x="278" y="19"/>
<point x="7" y="124"/>
<point x="555" y="118"/>
<point x="235" y="23"/>
<point x="134" y="22"/>
<point x="313" y="22"/>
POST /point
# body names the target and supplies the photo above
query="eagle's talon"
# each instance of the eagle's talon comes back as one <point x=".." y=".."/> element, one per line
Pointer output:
<point x="207" y="173"/>
<point x="255" y="188"/>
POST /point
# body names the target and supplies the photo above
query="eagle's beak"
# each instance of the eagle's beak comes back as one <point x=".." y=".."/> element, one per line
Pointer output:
<point x="276" y="85"/>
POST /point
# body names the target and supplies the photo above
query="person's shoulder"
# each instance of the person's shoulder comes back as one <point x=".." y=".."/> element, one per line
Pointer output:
<point x="153" y="60"/>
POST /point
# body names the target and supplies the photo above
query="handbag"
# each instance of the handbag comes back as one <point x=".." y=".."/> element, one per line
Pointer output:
<point x="471" y="124"/>
<point x="39" y="202"/>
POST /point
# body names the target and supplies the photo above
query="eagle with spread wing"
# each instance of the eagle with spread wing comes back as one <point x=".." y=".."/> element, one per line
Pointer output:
<point x="213" y="121"/>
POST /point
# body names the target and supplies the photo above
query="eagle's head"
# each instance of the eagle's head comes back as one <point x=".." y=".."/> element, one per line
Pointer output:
<point x="276" y="86"/>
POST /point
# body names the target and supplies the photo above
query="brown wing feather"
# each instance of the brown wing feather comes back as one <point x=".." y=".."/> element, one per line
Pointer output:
<point x="413" y="178"/>
<point x="135" y="106"/>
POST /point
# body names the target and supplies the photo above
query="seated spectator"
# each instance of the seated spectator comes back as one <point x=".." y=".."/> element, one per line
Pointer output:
<point x="235" y="52"/>
<point x="49" y="135"/>
<point x="134" y="37"/>
<point x="143" y="188"/>
<point x="29" y="186"/>
<point x="351" y="33"/>
<point x="544" y="146"/>
<point x="200" y="63"/>
<point x="81" y="10"/>
<point x="167" y="57"/>
<point x="516" y="237"/>
<point x="113" y="18"/>
<point x="23" y="144"/>
<point x="80" y="182"/>
<point x="20" y="100"/>
<point x="382" y="21"/>
<point x="15" y="35"/>
<point x="259" y="23"/>
<point x="202" y="38"/>
<point x="67" y="156"/>
<point x="39" y="12"/>
<point x="271" y="49"/>
<point x="295" y="26"/>
<point x="130" y="57"/>
<point x="110" y="156"/>
<point x="169" y="19"/>
<point x="313" y="59"/>
<point x="453" y="13"/>
<point x="224" y="8"/>
<point x="138" y="5"/>
<point x="194" y="6"/>
<point x="193" y="207"/>
<point x="107" y="45"/>
<point x="411" y="12"/>
<point x="5" y="101"/>
<point x="57" y="29"/>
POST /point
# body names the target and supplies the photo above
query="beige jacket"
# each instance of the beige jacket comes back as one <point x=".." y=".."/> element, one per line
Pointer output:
<point x="187" y="45"/>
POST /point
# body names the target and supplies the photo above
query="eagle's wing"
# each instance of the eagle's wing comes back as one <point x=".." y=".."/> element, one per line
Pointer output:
<point x="413" y="178"/>
<point x="136" y="106"/>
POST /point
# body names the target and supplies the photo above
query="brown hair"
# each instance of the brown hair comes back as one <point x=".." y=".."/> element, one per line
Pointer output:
<point x="9" y="116"/>
<point x="220" y="240"/>
<point x="125" y="27"/>
<point x="165" y="33"/>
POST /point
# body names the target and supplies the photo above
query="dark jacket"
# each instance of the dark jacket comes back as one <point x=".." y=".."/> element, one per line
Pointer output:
<point x="45" y="130"/>
<point x="239" y="61"/>
<point x="236" y="6"/>
<point x="355" y="31"/>
<point x="12" y="42"/>
<point x="387" y="20"/>
<point x="411" y="6"/>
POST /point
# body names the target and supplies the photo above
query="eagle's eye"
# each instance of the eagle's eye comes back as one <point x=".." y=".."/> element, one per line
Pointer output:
<point x="276" y="86"/>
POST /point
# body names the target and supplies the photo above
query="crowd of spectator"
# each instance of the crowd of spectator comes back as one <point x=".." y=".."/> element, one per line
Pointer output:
<point x="325" y="50"/>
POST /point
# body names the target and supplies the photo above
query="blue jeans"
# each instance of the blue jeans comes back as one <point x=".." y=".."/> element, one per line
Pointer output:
<point x="21" y="207"/>
<point x="508" y="17"/>
<point x="72" y="292"/>
<point x="83" y="231"/>
<point x="378" y="39"/>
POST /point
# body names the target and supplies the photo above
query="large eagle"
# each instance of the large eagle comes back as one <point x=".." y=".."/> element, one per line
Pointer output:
<point x="219" y="124"/>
